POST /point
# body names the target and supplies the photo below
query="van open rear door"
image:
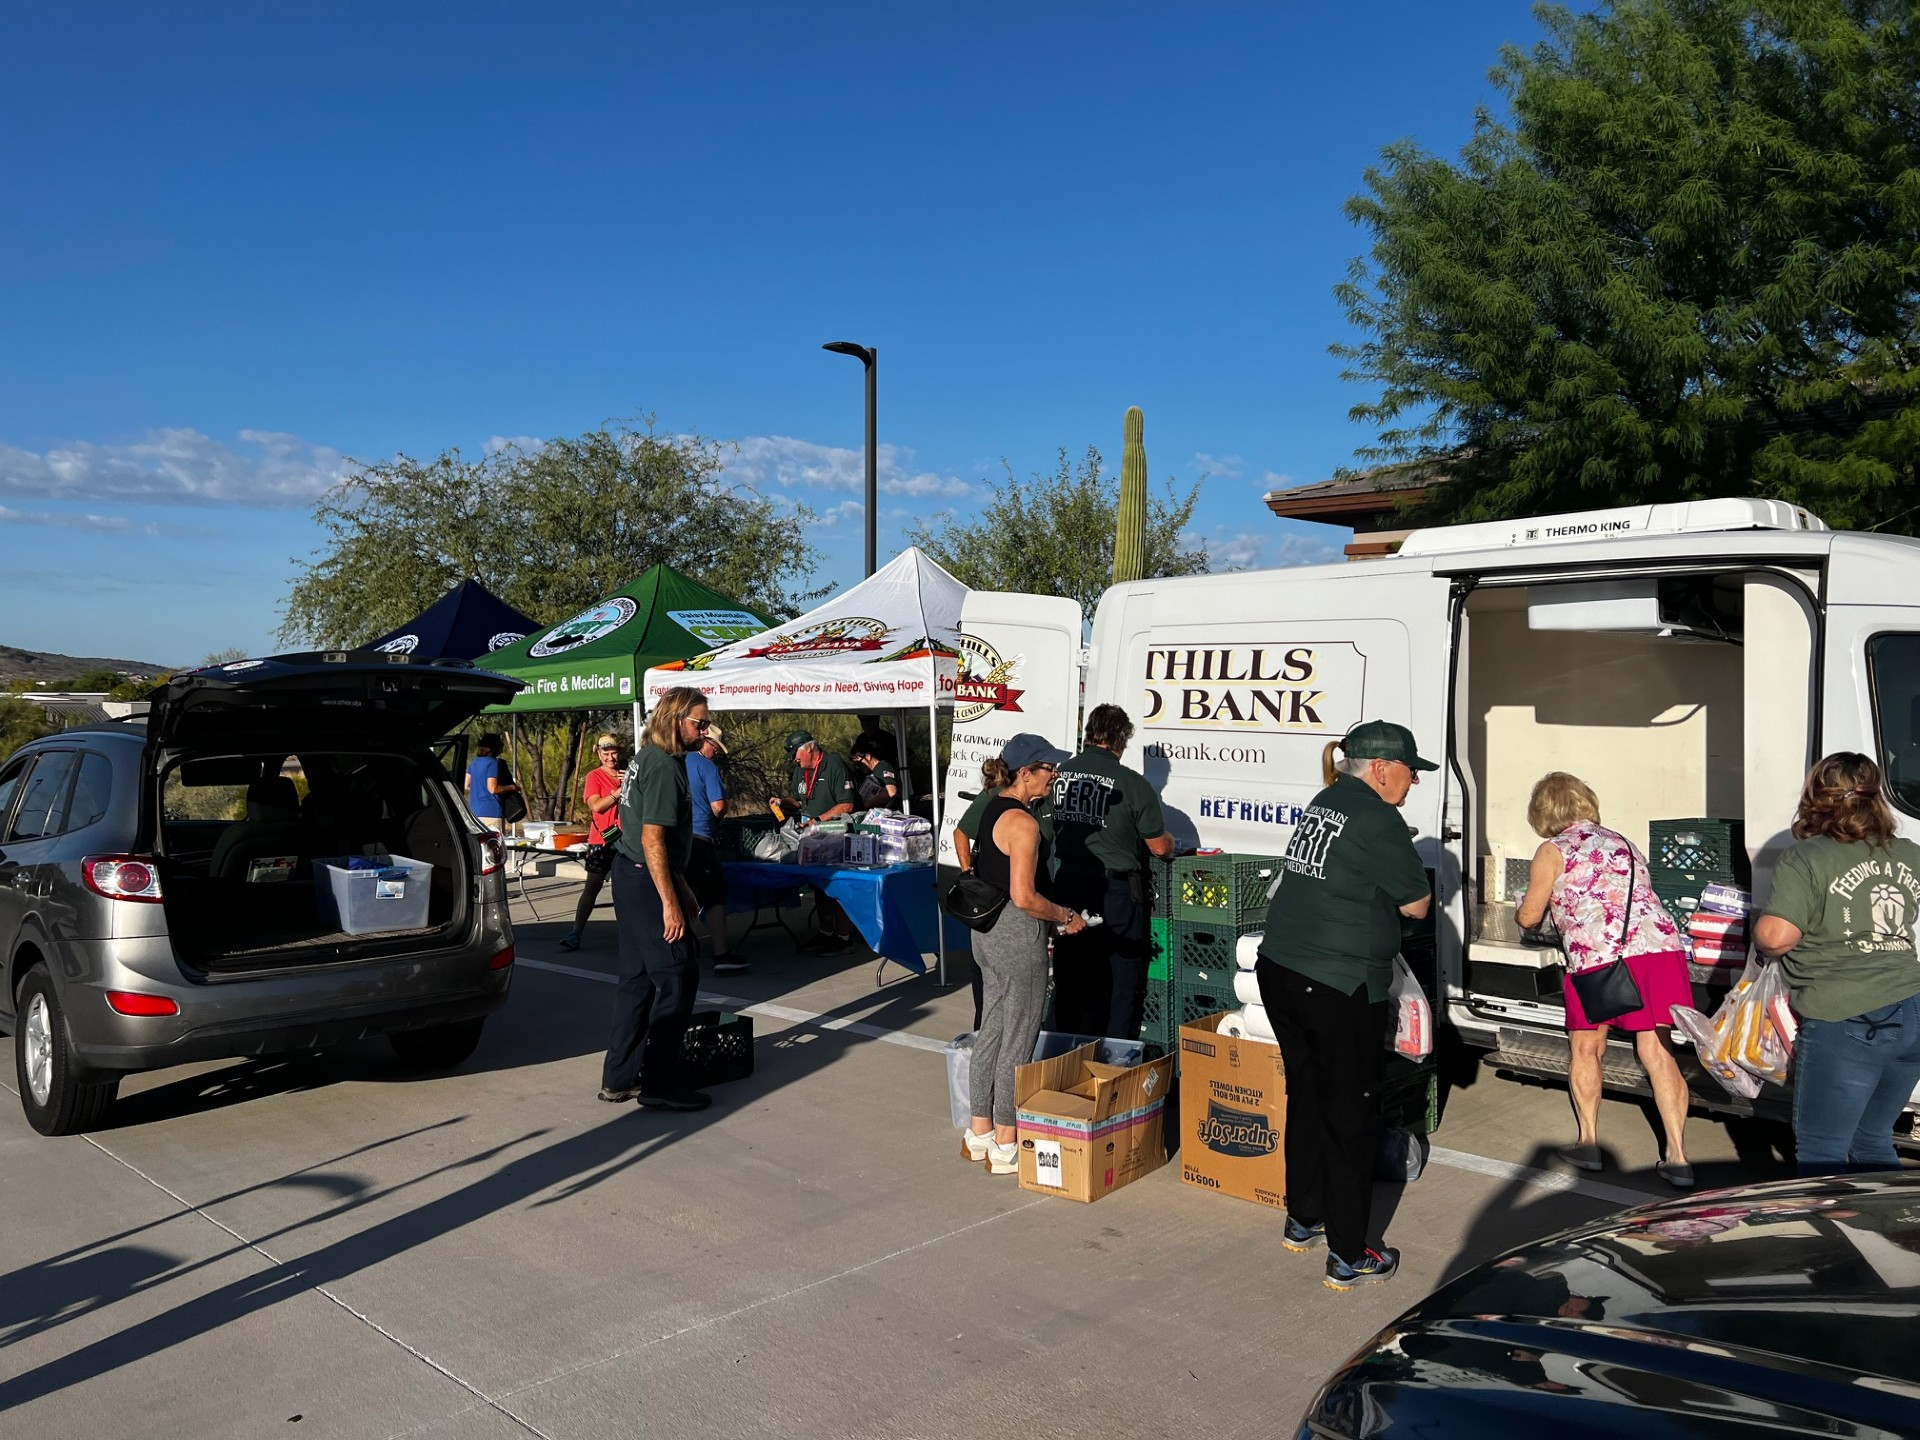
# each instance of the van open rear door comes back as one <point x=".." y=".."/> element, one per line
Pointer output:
<point x="1019" y="673"/>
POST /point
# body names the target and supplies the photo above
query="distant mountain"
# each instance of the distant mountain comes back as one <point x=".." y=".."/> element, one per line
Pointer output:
<point x="44" y="665"/>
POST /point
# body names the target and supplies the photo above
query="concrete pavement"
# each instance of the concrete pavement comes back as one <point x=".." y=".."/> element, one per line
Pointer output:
<point x="328" y="1246"/>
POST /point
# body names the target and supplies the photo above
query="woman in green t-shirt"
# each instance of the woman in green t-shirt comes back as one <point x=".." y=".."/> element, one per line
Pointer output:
<point x="1841" y="919"/>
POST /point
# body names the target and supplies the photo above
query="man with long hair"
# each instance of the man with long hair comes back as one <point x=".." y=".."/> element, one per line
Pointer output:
<point x="659" y="964"/>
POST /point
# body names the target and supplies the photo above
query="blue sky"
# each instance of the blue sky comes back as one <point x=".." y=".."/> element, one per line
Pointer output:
<point x="244" y="244"/>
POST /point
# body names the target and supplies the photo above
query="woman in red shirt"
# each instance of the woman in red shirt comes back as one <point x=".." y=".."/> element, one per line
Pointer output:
<point x="601" y="791"/>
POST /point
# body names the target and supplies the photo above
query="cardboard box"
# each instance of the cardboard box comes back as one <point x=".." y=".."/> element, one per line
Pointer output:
<point x="1233" y="1114"/>
<point x="1086" y="1129"/>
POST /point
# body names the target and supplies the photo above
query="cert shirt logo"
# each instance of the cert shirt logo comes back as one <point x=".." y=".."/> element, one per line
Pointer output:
<point x="982" y="687"/>
<point x="585" y="628"/>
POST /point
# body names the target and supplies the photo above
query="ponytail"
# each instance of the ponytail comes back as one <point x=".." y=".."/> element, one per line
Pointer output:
<point x="1327" y="770"/>
<point x="993" y="770"/>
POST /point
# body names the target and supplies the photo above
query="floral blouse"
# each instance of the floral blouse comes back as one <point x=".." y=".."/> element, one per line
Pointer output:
<point x="1591" y="891"/>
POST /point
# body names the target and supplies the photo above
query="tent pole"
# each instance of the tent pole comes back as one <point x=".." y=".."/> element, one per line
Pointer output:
<point x="638" y="721"/>
<point x="939" y="796"/>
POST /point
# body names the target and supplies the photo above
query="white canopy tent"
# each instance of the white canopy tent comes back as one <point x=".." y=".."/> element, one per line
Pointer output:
<point x="890" y="643"/>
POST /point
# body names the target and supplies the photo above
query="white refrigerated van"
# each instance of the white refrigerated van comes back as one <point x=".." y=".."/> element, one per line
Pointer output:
<point x="1686" y="660"/>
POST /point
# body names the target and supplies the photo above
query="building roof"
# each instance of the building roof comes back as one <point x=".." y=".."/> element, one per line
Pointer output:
<point x="1367" y="501"/>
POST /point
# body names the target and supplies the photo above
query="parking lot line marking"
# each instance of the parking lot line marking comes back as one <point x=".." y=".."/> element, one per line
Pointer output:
<point x="1439" y="1155"/>
<point x="1538" y="1179"/>
<point x="321" y="1290"/>
<point x="773" y="1012"/>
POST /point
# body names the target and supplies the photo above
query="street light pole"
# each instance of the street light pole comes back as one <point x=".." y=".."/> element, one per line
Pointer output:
<point x="870" y="358"/>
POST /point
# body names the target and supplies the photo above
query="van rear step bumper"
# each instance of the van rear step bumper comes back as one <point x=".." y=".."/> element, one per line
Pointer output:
<point x="1538" y="1055"/>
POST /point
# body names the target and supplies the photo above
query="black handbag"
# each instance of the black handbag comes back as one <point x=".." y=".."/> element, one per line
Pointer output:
<point x="513" y="805"/>
<point x="1609" y="991"/>
<point x="975" y="902"/>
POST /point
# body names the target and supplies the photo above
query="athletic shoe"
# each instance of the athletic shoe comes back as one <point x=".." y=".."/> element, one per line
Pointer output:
<point x="1373" y="1265"/>
<point x="1582" y="1157"/>
<point x="975" y="1147"/>
<point x="619" y="1097"/>
<point x="1003" y="1159"/>
<point x="727" y="965"/>
<point x="1302" y="1238"/>
<point x="676" y="1099"/>
<point x="1679" y="1175"/>
<point x="570" y="940"/>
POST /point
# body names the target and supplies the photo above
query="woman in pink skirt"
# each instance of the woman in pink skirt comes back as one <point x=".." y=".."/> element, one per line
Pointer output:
<point x="1596" y="883"/>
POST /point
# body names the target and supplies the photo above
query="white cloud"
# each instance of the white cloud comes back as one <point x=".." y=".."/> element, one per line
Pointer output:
<point x="845" y="510"/>
<point x="766" y="461"/>
<point x="1245" y="550"/>
<point x="177" y="466"/>
<point x="1228" y="467"/>
<point x="101" y="524"/>
<point x="1274" y="480"/>
<point x="526" y="444"/>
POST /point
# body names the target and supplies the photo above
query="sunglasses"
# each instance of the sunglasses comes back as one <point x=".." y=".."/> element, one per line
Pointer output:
<point x="703" y="725"/>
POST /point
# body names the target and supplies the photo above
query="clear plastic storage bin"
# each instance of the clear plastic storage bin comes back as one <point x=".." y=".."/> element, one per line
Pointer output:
<point x="363" y="902"/>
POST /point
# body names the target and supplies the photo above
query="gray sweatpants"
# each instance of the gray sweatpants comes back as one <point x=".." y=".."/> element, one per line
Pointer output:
<point x="1013" y="971"/>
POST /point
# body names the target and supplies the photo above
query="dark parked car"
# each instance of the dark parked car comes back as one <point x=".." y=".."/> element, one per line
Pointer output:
<point x="160" y="899"/>
<point x="1782" y="1309"/>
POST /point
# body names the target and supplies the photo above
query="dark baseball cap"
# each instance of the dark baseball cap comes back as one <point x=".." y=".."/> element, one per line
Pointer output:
<point x="797" y="738"/>
<point x="1024" y="750"/>
<point x="1384" y="740"/>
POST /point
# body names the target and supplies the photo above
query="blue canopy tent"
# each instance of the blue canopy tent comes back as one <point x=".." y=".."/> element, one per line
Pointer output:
<point x="466" y="623"/>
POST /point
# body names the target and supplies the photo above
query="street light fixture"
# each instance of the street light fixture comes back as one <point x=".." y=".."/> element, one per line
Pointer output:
<point x="870" y="358"/>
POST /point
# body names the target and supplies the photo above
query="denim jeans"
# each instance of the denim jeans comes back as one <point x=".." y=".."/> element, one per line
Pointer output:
<point x="1851" y="1078"/>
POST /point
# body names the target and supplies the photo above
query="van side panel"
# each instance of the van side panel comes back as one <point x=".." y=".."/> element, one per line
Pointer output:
<point x="1236" y="682"/>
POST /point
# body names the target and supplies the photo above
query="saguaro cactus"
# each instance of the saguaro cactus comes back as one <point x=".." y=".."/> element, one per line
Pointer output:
<point x="1130" y="530"/>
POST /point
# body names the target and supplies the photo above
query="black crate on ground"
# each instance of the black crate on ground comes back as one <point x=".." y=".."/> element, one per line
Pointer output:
<point x="718" y="1048"/>
<point x="1410" y="1094"/>
<point x="1686" y="856"/>
<point x="1223" y="890"/>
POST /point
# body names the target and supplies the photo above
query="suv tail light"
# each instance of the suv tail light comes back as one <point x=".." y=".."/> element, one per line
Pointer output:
<point x="502" y="960"/>
<point x="493" y="853"/>
<point x="131" y="1002"/>
<point x="122" y="877"/>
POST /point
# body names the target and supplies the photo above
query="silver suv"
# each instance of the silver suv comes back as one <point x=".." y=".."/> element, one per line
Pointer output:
<point x="243" y="873"/>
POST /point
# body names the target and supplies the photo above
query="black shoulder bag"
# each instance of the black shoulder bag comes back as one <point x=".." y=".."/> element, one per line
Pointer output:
<point x="1608" y="991"/>
<point x="974" y="901"/>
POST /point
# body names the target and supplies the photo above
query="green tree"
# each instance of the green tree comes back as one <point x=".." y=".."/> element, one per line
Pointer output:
<point x="1054" y="535"/>
<point x="1686" y="263"/>
<point x="550" y="531"/>
<point x="21" y="721"/>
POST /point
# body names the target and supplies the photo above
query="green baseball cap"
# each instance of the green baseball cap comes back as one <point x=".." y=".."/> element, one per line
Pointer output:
<point x="1384" y="740"/>
<point x="797" y="738"/>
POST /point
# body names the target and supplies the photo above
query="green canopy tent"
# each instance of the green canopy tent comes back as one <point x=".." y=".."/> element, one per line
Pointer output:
<point x="595" y="660"/>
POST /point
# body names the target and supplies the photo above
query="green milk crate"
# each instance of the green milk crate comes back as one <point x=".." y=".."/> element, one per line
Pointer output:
<point x="1223" y="890"/>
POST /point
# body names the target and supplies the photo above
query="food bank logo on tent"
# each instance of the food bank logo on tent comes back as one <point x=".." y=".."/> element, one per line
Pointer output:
<point x="839" y="636"/>
<point x="982" y="685"/>
<point x="585" y="628"/>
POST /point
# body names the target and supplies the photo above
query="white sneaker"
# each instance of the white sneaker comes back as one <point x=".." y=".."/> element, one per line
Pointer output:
<point x="1002" y="1159"/>
<point x="975" y="1147"/>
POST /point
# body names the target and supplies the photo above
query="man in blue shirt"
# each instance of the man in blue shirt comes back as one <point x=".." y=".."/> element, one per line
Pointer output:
<point x="703" y="870"/>
<point x="486" y="782"/>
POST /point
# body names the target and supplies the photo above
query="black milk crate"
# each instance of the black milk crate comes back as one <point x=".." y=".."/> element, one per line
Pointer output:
<point x="1686" y="856"/>
<point x="1410" y="1094"/>
<point x="734" y="836"/>
<point x="1224" y="890"/>
<point x="718" y="1048"/>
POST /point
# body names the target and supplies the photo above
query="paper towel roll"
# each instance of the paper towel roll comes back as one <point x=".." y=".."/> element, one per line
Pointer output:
<point x="1247" y="949"/>
<point x="1249" y="1023"/>
<point x="1246" y="987"/>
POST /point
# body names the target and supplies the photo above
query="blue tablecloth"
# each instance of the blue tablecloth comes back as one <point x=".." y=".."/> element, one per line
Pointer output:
<point x="895" y="909"/>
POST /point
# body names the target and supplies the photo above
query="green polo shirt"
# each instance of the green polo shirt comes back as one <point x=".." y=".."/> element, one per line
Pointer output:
<point x="1855" y="907"/>
<point x="834" y="785"/>
<point x="873" y="787"/>
<point x="654" y="792"/>
<point x="1348" y="869"/>
<point x="969" y="823"/>
<point x="1103" y="814"/>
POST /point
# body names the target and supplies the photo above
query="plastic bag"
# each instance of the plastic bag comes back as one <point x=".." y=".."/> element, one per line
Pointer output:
<point x="1698" y="1029"/>
<point x="1412" y="1016"/>
<point x="778" y="844"/>
<point x="1758" y="1044"/>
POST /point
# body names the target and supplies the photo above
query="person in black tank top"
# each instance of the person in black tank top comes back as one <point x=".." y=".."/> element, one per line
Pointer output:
<point x="1012" y="954"/>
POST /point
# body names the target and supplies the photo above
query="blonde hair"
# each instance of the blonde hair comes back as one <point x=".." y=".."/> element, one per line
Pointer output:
<point x="1842" y="800"/>
<point x="610" y="739"/>
<point x="1560" y="800"/>
<point x="663" y="724"/>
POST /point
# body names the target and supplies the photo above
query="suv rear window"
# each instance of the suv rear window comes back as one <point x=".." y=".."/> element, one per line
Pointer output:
<point x="43" y="798"/>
